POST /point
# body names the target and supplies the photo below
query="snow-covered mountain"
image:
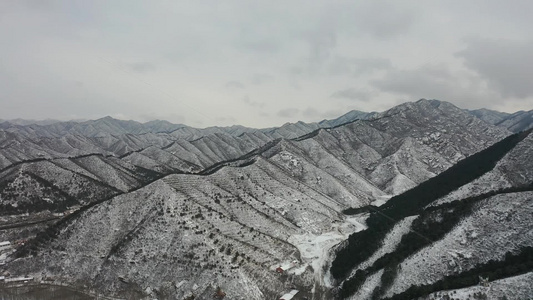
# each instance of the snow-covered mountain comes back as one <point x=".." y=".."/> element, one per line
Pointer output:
<point x="519" y="121"/>
<point x="181" y="213"/>
<point x="489" y="116"/>
<point x="22" y="140"/>
<point x="385" y="155"/>
<point x="114" y="127"/>
<point x="516" y="122"/>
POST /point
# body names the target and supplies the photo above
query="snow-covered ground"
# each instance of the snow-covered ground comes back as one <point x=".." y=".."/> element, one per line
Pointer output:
<point x="380" y="200"/>
<point x="514" y="169"/>
<point x="513" y="288"/>
<point x="500" y="224"/>
<point x="315" y="249"/>
<point x="365" y="292"/>
<point x="390" y="242"/>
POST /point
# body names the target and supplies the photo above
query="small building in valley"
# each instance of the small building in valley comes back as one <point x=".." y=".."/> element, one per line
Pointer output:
<point x="19" y="279"/>
<point x="286" y="266"/>
<point x="289" y="295"/>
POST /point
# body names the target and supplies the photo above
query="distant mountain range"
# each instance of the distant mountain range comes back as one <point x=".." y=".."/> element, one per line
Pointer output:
<point x="155" y="209"/>
<point x="518" y="121"/>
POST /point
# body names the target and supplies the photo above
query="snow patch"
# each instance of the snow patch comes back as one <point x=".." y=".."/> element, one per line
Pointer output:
<point x="315" y="249"/>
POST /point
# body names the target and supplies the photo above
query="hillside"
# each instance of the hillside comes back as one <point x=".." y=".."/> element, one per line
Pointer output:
<point x="473" y="210"/>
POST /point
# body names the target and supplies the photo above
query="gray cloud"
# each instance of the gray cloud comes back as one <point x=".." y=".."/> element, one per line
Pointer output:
<point x="77" y="83"/>
<point x="428" y="81"/>
<point x="357" y="66"/>
<point x="384" y="19"/>
<point x="311" y="112"/>
<point x="506" y="64"/>
<point x="288" y="112"/>
<point x="320" y="44"/>
<point x="234" y="85"/>
<point x="252" y="103"/>
<point x="173" y="117"/>
<point x="316" y="115"/>
<point x="262" y="46"/>
<point x="228" y="120"/>
<point x="140" y="67"/>
<point x="352" y="94"/>
<point x="321" y="33"/>
<point x="390" y="49"/>
<point x="438" y="82"/>
<point x="261" y="78"/>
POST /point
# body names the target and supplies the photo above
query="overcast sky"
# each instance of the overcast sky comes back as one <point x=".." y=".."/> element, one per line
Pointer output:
<point x="259" y="63"/>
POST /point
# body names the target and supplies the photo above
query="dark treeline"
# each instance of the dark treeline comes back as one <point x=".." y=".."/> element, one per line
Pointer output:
<point x="512" y="265"/>
<point x="35" y="203"/>
<point x="147" y="175"/>
<point x="32" y="160"/>
<point x="362" y="245"/>
<point x="245" y="158"/>
<point x="42" y="292"/>
<point x="431" y="225"/>
<point x="359" y="210"/>
<point x="61" y="199"/>
<point x="435" y="222"/>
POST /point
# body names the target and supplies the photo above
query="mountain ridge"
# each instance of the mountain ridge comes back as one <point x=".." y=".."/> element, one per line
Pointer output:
<point x="249" y="202"/>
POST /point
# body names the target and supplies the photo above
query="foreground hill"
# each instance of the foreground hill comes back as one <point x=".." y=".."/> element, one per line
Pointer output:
<point x="447" y="232"/>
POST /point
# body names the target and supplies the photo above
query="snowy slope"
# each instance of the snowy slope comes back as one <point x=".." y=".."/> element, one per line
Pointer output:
<point x="515" y="169"/>
<point x="499" y="224"/>
<point x="482" y="222"/>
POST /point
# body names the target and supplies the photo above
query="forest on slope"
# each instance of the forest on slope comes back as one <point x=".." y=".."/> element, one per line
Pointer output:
<point x="431" y="224"/>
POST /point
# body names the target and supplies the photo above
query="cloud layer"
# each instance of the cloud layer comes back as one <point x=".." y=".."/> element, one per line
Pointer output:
<point x="259" y="64"/>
